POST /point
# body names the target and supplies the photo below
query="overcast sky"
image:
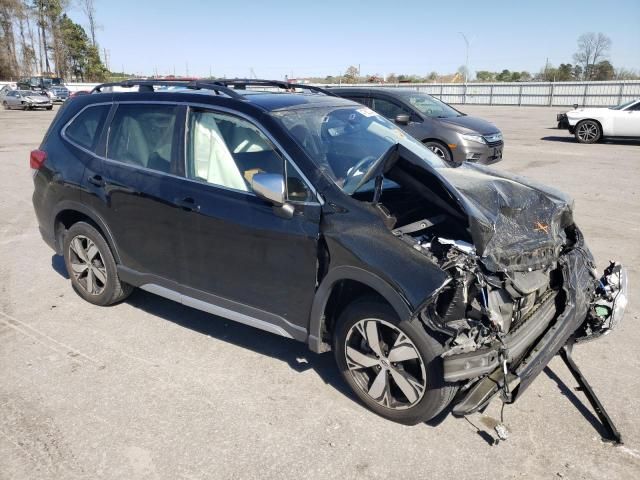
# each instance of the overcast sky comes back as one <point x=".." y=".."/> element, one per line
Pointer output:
<point x="317" y="38"/>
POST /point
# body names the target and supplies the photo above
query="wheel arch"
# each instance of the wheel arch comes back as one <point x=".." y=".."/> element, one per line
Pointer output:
<point x="599" y="122"/>
<point x="441" y="142"/>
<point x="328" y="303"/>
<point x="69" y="212"/>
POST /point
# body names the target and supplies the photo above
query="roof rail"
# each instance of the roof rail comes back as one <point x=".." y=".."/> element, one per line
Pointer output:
<point x="193" y="84"/>
<point x="241" y="83"/>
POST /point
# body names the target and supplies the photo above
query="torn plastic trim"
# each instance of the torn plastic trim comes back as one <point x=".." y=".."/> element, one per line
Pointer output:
<point x="465" y="366"/>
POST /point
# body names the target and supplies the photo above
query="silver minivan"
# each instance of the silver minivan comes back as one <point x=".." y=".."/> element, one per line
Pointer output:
<point x="452" y="135"/>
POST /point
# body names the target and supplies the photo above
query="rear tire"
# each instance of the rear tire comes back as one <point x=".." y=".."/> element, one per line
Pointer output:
<point x="91" y="266"/>
<point x="50" y="108"/>
<point x="404" y="380"/>
<point x="5" y="105"/>
<point x="588" y="131"/>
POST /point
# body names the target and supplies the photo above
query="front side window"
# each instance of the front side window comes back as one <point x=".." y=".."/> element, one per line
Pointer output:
<point x="85" y="128"/>
<point x="142" y="135"/>
<point x="228" y="151"/>
<point x="431" y="107"/>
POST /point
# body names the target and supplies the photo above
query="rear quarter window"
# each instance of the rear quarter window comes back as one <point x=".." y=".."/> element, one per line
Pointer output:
<point x="85" y="129"/>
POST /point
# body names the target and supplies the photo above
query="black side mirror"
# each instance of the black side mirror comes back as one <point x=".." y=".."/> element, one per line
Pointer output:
<point x="403" y="119"/>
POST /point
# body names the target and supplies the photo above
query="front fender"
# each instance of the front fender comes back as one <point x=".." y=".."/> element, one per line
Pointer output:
<point x="395" y="299"/>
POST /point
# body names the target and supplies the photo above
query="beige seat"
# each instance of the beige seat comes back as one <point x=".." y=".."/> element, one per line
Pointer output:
<point x="212" y="159"/>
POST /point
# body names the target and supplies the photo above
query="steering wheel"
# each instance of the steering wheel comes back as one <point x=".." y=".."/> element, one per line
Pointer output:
<point x="352" y="172"/>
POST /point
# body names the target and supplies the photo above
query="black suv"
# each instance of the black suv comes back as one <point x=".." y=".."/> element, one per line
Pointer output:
<point x="312" y="217"/>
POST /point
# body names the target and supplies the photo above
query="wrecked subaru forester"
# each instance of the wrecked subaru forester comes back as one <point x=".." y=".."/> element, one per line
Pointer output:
<point x="313" y="217"/>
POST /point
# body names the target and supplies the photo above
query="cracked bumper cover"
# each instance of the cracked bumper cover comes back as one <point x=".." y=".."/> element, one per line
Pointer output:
<point x="527" y="356"/>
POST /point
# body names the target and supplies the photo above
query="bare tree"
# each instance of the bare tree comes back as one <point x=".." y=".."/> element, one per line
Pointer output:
<point x="592" y="49"/>
<point x="89" y="9"/>
<point x="9" y="65"/>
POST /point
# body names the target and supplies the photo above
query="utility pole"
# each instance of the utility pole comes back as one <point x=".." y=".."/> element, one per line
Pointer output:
<point x="466" y="62"/>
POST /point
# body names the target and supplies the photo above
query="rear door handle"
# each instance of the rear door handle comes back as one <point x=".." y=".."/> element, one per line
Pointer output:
<point x="96" y="180"/>
<point x="188" y="204"/>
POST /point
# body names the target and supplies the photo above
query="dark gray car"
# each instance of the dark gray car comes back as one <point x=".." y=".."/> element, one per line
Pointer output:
<point x="449" y="133"/>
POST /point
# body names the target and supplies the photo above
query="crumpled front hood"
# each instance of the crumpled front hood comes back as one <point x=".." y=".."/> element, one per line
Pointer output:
<point x="515" y="224"/>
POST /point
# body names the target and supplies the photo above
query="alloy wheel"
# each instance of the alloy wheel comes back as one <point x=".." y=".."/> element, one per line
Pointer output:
<point x="385" y="364"/>
<point x="438" y="151"/>
<point x="87" y="265"/>
<point x="587" y="131"/>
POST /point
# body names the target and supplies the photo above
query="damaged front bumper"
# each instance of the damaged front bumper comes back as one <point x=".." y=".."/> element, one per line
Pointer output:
<point x="583" y="309"/>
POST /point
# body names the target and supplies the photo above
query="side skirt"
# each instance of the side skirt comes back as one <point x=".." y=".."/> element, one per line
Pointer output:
<point x="213" y="304"/>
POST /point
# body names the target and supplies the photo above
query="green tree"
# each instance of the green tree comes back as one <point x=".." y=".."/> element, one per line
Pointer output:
<point x="485" y="76"/>
<point x="602" y="71"/>
<point x="83" y="59"/>
<point x="504" y="76"/>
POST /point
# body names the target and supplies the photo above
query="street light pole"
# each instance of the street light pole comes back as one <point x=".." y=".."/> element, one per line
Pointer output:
<point x="466" y="63"/>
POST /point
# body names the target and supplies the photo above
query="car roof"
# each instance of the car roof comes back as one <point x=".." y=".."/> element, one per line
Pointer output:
<point x="264" y="100"/>
<point x="393" y="91"/>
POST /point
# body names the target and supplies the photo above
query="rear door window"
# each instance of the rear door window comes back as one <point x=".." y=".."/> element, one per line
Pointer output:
<point x="85" y="129"/>
<point x="142" y="135"/>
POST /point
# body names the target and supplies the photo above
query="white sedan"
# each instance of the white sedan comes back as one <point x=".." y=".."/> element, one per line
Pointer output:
<point x="591" y="124"/>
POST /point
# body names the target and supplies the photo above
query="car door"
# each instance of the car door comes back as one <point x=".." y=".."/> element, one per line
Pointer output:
<point x="12" y="100"/>
<point x="626" y="123"/>
<point x="244" y="255"/>
<point x="133" y="187"/>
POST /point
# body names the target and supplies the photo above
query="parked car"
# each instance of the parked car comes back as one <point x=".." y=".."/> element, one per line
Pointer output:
<point x="312" y="217"/>
<point x="53" y="87"/>
<point x="9" y="87"/>
<point x="590" y="125"/>
<point x="26" y="100"/>
<point x="452" y="135"/>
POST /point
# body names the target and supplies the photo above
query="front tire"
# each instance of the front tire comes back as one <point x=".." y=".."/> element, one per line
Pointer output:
<point x="91" y="266"/>
<point x="393" y="366"/>
<point x="588" y="131"/>
<point x="440" y="149"/>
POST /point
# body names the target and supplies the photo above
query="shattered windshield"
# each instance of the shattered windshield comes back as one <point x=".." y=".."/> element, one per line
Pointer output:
<point x="345" y="142"/>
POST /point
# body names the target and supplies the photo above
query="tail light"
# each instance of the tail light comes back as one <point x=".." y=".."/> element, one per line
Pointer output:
<point x="37" y="159"/>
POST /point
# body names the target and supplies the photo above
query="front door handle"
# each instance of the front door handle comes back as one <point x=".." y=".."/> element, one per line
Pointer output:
<point x="188" y="204"/>
<point x="96" y="180"/>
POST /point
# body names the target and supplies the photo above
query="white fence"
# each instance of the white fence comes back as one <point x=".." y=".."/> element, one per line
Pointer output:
<point x="587" y="94"/>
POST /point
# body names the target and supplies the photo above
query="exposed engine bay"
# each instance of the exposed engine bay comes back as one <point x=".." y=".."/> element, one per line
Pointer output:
<point x="520" y="284"/>
<point x="491" y="320"/>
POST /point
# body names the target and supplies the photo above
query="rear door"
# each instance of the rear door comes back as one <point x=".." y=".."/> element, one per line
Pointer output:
<point x="244" y="255"/>
<point x="134" y="187"/>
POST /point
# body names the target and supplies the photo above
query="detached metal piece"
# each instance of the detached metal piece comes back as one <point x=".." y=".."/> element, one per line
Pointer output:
<point x="613" y="435"/>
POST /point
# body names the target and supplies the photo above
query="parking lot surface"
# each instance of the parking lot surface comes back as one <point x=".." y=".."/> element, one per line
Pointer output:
<point x="150" y="389"/>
